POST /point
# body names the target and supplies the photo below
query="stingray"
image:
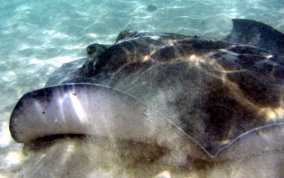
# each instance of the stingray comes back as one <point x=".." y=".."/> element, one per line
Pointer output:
<point x="211" y="93"/>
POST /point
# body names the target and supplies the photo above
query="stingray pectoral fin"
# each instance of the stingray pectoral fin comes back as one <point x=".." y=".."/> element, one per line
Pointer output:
<point x="77" y="109"/>
<point x="258" y="34"/>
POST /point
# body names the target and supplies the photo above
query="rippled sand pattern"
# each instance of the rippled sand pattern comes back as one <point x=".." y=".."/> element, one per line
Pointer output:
<point x="38" y="36"/>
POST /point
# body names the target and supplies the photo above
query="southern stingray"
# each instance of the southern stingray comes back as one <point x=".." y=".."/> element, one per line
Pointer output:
<point x="211" y="93"/>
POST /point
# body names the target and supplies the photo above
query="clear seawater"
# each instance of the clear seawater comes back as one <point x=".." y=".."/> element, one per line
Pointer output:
<point x="37" y="36"/>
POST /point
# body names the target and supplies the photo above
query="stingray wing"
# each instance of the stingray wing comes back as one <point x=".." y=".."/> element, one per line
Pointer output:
<point x="77" y="109"/>
<point x="257" y="34"/>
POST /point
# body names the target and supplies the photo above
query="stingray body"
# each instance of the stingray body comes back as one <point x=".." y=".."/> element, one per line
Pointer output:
<point x="210" y="93"/>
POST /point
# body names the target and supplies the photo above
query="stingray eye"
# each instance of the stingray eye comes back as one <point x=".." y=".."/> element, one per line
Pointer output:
<point x="91" y="49"/>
